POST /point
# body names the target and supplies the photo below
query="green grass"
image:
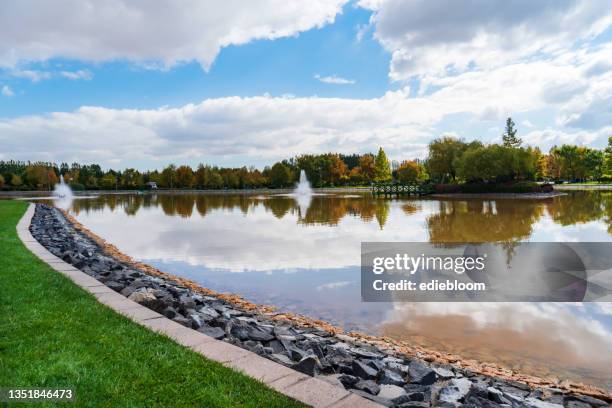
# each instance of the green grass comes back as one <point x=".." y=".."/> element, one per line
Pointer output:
<point x="54" y="334"/>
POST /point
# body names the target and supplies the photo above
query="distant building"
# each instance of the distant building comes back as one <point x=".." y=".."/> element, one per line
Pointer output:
<point x="151" y="185"/>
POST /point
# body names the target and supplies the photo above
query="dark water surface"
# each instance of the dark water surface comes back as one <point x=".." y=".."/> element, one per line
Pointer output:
<point x="304" y="257"/>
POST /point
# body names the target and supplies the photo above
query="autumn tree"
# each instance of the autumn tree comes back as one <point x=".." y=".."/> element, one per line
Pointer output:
<point x="367" y="167"/>
<point x="408" y="172"/>
<point x="337" y="169"/>
<point x="184" y="177"/>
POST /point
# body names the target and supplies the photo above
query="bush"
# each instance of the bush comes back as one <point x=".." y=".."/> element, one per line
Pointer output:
<point x="77" y="186"/>
<point x="480" y="188"/>
<point x="447" y="188"/>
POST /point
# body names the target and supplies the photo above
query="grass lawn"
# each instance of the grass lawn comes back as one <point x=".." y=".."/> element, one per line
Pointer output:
<point x="54" y="334"/>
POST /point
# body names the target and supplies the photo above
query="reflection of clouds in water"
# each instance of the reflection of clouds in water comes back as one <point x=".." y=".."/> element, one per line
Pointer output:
<point x="333" y="285"/>
<point x="553" y="332"/>
<point x="547" y="230"/>
<point x="257" y="242"/>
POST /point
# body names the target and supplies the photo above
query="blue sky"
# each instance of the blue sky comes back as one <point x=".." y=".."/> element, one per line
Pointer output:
<point x="230" y="84"/>
<point x="281" y="67"/>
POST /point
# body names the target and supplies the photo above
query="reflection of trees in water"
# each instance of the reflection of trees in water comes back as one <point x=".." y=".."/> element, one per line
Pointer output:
<point x="475" y="220"/>
<point x="329" y="210"/>
<point x="382" y="212"/>
<point x="280" y="207"/>
<point x="483" y="221"/>
<point x="581" y="207"/>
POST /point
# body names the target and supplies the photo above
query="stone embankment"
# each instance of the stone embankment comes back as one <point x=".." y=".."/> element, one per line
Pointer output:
<point x="380" y="375"/>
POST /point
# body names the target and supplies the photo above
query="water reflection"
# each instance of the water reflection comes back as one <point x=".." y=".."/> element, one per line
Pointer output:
<point x="307" y="260"/>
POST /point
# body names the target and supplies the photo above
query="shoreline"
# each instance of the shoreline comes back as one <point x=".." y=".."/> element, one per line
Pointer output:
<point x="515" y="196"/>
<point x="383" y="344"/>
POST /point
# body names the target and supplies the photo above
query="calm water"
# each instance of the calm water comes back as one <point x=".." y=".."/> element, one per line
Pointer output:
<point x="304" y="257"/>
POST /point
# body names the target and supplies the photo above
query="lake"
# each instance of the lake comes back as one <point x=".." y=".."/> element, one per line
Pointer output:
<point x="304" y="257"/>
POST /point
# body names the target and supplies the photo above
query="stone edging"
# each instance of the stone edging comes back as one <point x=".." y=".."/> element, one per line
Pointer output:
<point x="306" y="389"/>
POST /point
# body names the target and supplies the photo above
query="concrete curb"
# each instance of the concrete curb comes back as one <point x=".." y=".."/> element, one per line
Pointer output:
<point x="306" y="389"/>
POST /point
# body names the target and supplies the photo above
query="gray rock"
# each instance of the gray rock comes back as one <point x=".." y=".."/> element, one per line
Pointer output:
<point x="116" y="286"/>
<point x="170" y="312"/>
<point x="443" y="373"/>
<point x="496" y="395"/>
<point x="359" y="352"/>
<point x="421" y="374"/>
<point x="455" y="391"/>
<point x="214" y="332"/>
<point x="196" y="321"/>
<point x="309" y="365"/>
<point x="363" y="370"/>
<point x="390" y="391"/>
<point x="208" y="313"/>
<point x="182" y="320"/>
<point x="281" y="359"/>
<point x="588" y="400"/>
<point x="413" y="404"/>
<point x="368" y="386"/>
<point x="142" y="296"/>
<point x="477" y="401"/>
<point x="536" y="403"/>
<point x="260" y="333"/>
<point x="348" y="381"/>
<point x="277" y="346"/>
<point x="296" y="354"/>
<point x="387" y="376"/>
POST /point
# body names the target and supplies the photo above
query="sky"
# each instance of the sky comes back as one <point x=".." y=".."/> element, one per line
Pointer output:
<point x="147" y="83"/>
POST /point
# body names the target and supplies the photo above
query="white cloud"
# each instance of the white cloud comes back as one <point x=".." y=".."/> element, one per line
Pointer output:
<point x="39" y="75"/>
<point x="75" y="75"/>
<point x="441" y="38"/>
<point x="32" y="75"/>
<point x="7" y="91"/>
<point x="333" y="79"/>
<point x="160" y="30"/>
<point x="527" y="123"/>
<point x="235" y="130"/>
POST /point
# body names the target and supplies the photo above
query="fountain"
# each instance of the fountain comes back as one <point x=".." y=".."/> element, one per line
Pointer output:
<point x="303" y="188"/>
<point x="62" y="194"/>
<point x="303" y="193"/>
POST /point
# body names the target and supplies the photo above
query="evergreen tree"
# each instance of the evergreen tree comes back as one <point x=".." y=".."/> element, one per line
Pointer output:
<point x="383" y="170"/>
<point x="509" y="137"/>
<point x="607" y="167"/>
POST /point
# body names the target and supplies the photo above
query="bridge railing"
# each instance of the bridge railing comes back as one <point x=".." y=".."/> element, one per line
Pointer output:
<point x="401" y="189"/>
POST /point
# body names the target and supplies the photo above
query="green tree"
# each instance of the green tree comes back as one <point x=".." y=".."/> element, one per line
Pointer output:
<point x="594" y="163"/>
<point x="569" y="158"/>
<point x="109" y="181"/>
<point x="441" y="159"/>
<point x="383" y="170"/>
<point x="509" y="137"/>
<point x="131" y="179"/>
<point x="483" y="163"/>
<point x="607" y="167"/>
<point x="1" y="181"/>
<point x="280" y="175"/>
<point x="168" y="176"/>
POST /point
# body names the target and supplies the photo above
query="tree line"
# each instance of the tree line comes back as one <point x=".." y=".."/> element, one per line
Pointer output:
<point x="449" y="161"/>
